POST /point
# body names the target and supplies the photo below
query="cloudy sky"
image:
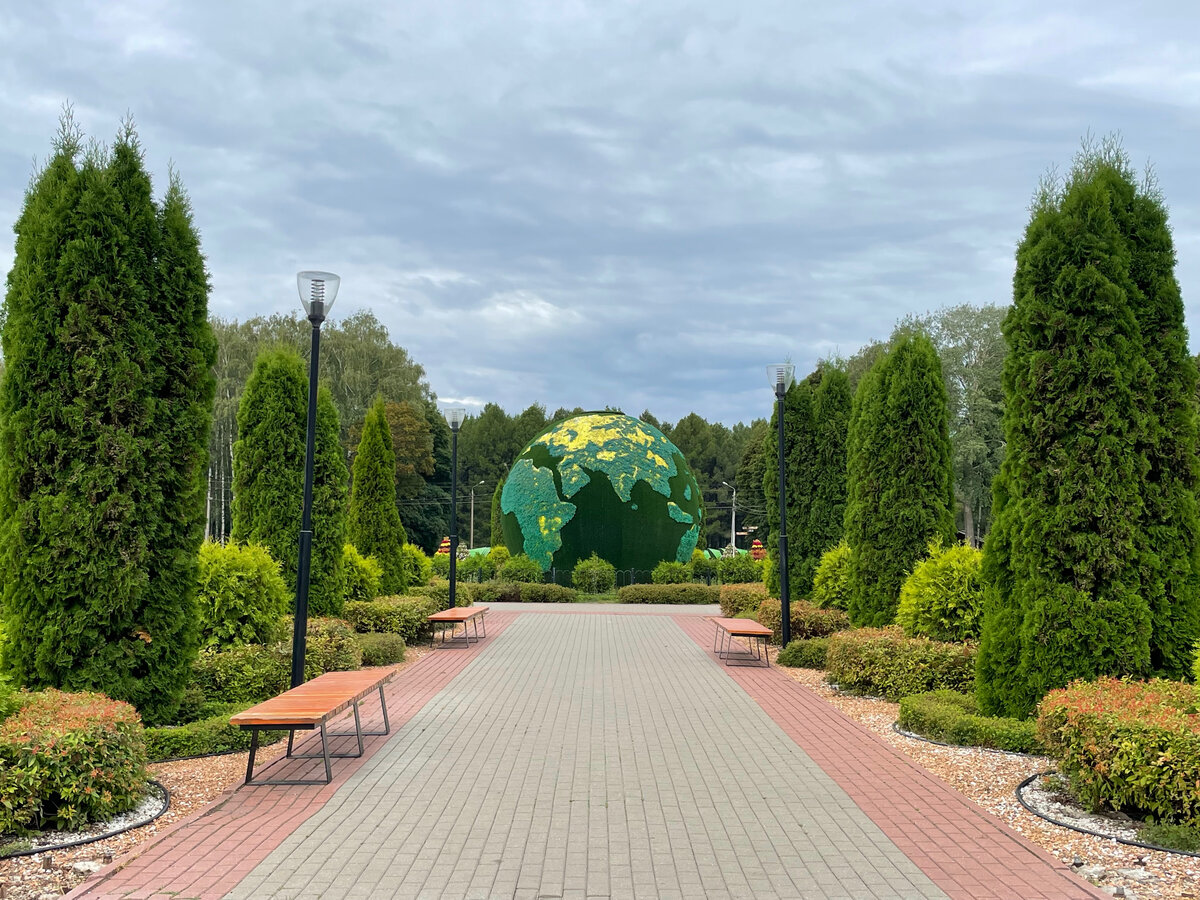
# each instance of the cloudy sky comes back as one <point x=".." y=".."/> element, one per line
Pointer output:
<point x="629" y="203"/>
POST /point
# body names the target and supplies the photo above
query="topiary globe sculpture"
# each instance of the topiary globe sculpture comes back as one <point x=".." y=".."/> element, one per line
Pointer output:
<point x="601" y="483"/>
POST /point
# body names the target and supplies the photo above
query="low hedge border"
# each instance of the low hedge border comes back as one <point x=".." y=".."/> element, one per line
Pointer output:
<point x="211" y="736"/>
<point x="689" y="594"/>
<point x="741" y="600"/>
<point x="882" y="662"/>
<point x="806" y="653"/>
<point x="808" y="621"/>
<point x="952" y="720"/>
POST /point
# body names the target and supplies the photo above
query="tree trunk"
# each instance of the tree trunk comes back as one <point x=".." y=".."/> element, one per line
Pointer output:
<point x="969" y="523"/>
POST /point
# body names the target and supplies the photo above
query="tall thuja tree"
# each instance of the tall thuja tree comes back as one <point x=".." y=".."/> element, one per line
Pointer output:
<point x="900" y="492"/>
<point x="831" y="417"/>
<point x="1065" y="565"/>
<point x="497" y="530"/>
<point x="104" y="418"/>
<point x="799" y="455"/>
<point x="327" y="585"/>
<point x="374" y="522"/>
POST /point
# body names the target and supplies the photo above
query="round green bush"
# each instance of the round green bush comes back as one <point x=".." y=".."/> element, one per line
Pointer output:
<point x="670" y="572"/>
<point x="521" y="568"/>
<point x="703" y="566"/>
<point x="831" y="583"/>
<point x="943" y="597"/>
<point x="381" y="649"/>
<point x="741" y="568"/>
<point x="440" y="563"/>
<point x="594" y="576"/>
<point x="494" y="560"/>
<point x="363" y="575"/>
<point x="806" y="653"/>
<point x="241" y="595"/>
<point x="469" y="568"/>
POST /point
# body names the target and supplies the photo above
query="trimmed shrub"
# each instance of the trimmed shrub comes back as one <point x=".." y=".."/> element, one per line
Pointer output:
<point x="831" y="583"/>
<point x="547" y="593"/>
<point x="329" y="646"/>
<point x="522" y="568"/>
<point x="469" y="568"/>
<point x="69" y="759"/>
<point x="807" y="620"/>
<point x="668" y="593"/>
<point x="954" y="718"/>
<point x="496" y="557"/>
<point x="440" y="563"/>
<point x="405" y="616"/>
<point x="943" y="597"/>
<point x="242" y="675"/>
<point x="241" y="597"/>
<point x="882" y="662"/>
<point x="417" y="565"/>
<point x="742" y="599"/>
<point x="703" y="566"/>
<point x="807" y="653"/>
<point x="741" y="568"/>
<point x="594" y="575"/>
<point x="1127" y="745"/>
<point x="381" y="648"/>
<point x="204" y="737"/>
<point x="363" y="575"/>
<point x="670" y="572"/>
<point x="439" y="591"/>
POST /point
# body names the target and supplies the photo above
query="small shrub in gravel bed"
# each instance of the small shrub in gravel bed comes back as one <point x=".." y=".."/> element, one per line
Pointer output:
<point x="953" y="718"/>
<point x="381" y="649"/>
<point x="1174" y="837"/>
<point x="808" y="621"/>
<point x="1130" y="746"/>
<point x="668" y="593"/>
<point x="69" y="759"/>
<point x="882" y="662"/>
<point x="405" y="616"/>
<point x="807" y="653"/>
<point x="204" y="737"/>
<point x="742" y="599"/>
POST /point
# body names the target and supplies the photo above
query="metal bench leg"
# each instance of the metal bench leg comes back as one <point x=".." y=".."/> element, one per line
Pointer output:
<point x="387" y="729"/>
<point x="325" y="751"/>
<point x="291" y="737"/>
<point x="483" y="622"/>
<point x="253" y="751"/>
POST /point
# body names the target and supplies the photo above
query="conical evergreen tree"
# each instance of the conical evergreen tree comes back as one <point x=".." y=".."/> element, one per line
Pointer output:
<point x="800" y="456"/>
<point x="831" y="415"/>
<point x="374" y="523"/>
<point x="104" y="418"/>
<point x="497" y="539"/>
<point x="327" y="584"/>
<point x="900" y="492"/>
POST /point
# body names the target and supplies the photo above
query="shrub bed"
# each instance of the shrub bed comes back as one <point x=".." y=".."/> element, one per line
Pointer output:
<point x="954" y="718"/>
<point x="807" y="653"/>
<point x="405" y="616"/>
<point x="741" y="568"/>
<point x="439" y="593"/>
<point x="521" y="568"/>
<point x="242" y="675"/>
<point x="668" y="593"/>
<point x="808" y="621"/>
<point x="882" y="662"/>
<point x="1131" y="746"/>
<point x="742" y="599"/>
<point x="69" y="759"/>
<point x="204" y="737"/>
<point x="381" y="649"/>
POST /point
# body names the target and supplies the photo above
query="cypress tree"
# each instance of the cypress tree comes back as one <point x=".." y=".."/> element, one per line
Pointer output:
<point x="327" y="586"/>
<point x="497" y="516"/>
<point x="374" y="524"/>
<point x="831" y="414"/>
<point x="799" y="456"/>
<point x="900" y="492"/>
<point x="104" y="418"/>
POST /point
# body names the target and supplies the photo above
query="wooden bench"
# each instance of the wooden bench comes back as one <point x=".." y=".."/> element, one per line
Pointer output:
<point x="464" y="615"/>
<point x="310" y="706"/>
<point x="728" y="629"/>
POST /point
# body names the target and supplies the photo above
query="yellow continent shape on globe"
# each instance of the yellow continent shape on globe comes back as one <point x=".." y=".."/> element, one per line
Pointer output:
<point x="603" y="441"/>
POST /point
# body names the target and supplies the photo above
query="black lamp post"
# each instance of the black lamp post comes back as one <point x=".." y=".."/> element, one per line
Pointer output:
<point x="781" y="378"/>
<point x="318" y="290"/>
<point x="454" y="416"/>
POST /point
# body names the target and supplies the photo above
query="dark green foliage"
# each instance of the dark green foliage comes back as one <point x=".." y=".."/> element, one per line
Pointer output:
<point x="943" y="597"/>
<point x="327" y="581"/>
<point x="594" y="575"/>
<point x="522" y="568"/>
<point x="1090" y="568"/>
<point x="363" y="575"/>
<point x="496" y="532"/>
<point x="799" y="455"/>
<point x="807" y="620"/>
<point x="374" y="526"/>
<point x="491" y="562"/>
<point x="417" y="565"/>
<point x="898" y="474"/>
<point x="405" y="616"/>
<point x="953" y="718"/>
<point x="1174" y="837"/>
<point x="518" y="592"/>
<point x="439" y="590"/>
<point x="668" y="593"/>
<point x="105" y="410"/>
<point x="381" y="648"/>
<point x="329" y="646"/>
<point x="204" y="737"/>
<point x="739" y="569"/>
<point x="670" y="572"/>
<point x="831" y="583"/>
<point x="882" y="662"/>
<point x="243" y="675"/>
<point x="831" y="415"/>
<point x="742" y="600"/>
<point x="241" y="597"/>
<point x="806" y="653"/>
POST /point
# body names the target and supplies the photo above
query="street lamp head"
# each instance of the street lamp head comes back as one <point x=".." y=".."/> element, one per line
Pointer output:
<point x="781" y="377"/>
<point x="317" y="290"/>
<point x="728" y="485"/>
<point x="454" y="417"/>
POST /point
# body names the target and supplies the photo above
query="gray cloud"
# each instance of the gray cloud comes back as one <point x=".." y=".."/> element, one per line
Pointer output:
<point x="613" y="203"/>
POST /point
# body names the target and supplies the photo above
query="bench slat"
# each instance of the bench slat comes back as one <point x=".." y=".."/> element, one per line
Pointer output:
<point x="741" y="627"/>
<point x="458" y="614"/>
<point x="314" y="701"/>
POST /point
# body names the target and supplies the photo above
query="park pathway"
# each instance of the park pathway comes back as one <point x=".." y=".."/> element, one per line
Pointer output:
<point x="604" y="755"/>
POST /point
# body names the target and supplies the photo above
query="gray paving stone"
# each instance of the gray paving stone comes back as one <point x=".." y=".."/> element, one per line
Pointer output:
<point x="588" y="756"/>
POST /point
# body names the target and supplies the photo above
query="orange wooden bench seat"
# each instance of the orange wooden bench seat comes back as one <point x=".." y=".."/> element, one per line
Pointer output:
<point x="310" y="706"/>
<point x="464" y="615"/>
<point x="723" y="645"/>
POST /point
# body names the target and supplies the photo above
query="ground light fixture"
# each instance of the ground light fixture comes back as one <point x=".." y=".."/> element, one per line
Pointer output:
<point x="317" y="290"/>
<point x="454" y="418"/>
<point x="781" y="378"/>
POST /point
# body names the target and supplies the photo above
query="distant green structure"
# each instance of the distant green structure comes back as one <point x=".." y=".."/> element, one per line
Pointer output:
<point x="605" y="483"/>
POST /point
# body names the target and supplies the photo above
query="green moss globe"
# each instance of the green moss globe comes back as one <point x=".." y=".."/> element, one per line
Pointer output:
<point x="605" y="483"/>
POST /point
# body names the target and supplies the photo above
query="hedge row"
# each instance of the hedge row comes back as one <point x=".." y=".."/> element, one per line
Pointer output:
<point x="212" y="734"/>
<point x="808" y="621"/>
<point x="954" y="718"/>
<point x="807" y="653"/>
<point x="668" y="593"/>
<point x="1131" y="746"/>
<point x="739" y="600"/>
<point x="69" y="759"/>
<point x="405" y="616"/>
<point x="381" y="649"/>
<point x="882" y="662"/>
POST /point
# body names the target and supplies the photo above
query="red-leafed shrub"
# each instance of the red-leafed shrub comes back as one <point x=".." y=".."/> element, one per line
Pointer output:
<point x="69" y="759"/>
<point x="1130" y="745"/>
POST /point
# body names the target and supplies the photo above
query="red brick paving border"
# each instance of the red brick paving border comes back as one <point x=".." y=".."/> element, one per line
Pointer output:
<point x="208" y="853"/>
<point x="964" y="850"/>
